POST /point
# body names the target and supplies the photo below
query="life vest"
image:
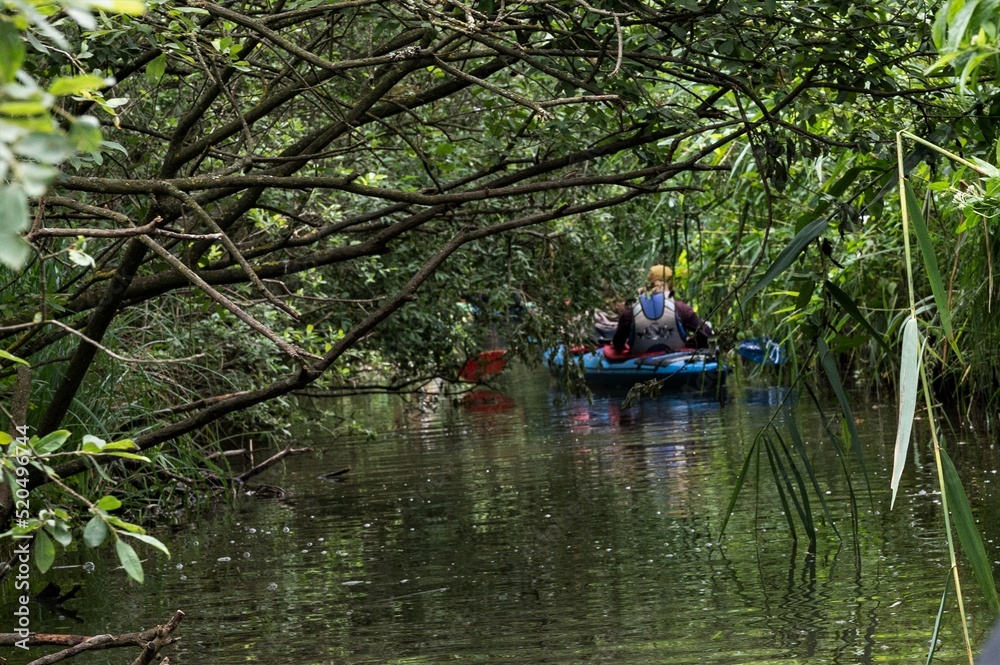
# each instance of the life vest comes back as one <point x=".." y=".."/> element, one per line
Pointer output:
<point x="655" y="325"/>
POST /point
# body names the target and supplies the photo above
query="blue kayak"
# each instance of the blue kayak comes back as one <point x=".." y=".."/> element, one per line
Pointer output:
<point x="687" y="370"/>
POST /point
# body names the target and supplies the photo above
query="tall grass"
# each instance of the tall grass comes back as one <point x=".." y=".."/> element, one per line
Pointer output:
<point x="954" y="503"/>
<point x="947" y="291"/>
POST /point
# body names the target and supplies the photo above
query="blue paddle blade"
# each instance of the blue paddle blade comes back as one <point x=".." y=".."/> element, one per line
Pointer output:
<point x="763" y="351"/>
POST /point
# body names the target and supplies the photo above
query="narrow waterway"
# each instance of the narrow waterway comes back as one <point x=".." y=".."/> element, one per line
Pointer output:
<point x="540" y="528"/>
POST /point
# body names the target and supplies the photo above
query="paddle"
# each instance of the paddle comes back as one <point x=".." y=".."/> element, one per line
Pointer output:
<point x="763" y="351"/>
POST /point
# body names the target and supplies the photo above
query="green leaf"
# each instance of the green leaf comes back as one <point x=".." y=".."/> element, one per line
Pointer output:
<point x="95" y="446"/>
<point x="14" y="251"/>
<point x="23" y="109"/>
<point x="45" y="551"/>
<point x="14" y="203"/>
<point x="908" y="380"/>
<point x="930" y="262"/>
<point x="970" y="75"/>
<point x="959" y="25"/>
<point x="806" y="288"/>
<point x="10" y="356"/>
<point x="156" y="68"/>
<point x="833" y="375"/>
<point x="85" y="134"/>
<point x="740" y="480"/>
<point x="139" y="458"/>
<point x="133" y="7"/>
<point x="800" y="498"/>
<point x="149" y="540"/>
<point x="115" y="146"/>
<point x="852" y="309"/>
<point x="51" y="442"/>
<point x="76" y="85"/>
<point x="788" y="255"/>
<point x="44" y="147"/>
<point x="35" y="178"/>
<point x="61" y="533"/>
<point x="122" y="524"/>
<point x="987" y="169"/>
<point x="12" y="51"/>
<point x="95" y="532"/>
<point x="968" y="533"/>
<point x="129" y="559"/>
<point x="845" y="181"/>
<point x="108" y="503"/>
<point x="121" y="444"/>
<point x="5" y="439"/>
<point x="941" y="62"/>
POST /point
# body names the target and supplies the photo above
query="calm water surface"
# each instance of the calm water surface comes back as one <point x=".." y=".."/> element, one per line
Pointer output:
<point x="540" y="528"/>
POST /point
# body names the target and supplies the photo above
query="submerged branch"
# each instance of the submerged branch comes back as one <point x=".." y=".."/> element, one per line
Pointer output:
<point x="269" y="462"/>
<point x="152" y="640"/>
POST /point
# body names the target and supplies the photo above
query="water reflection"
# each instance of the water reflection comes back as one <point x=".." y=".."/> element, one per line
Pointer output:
<point x="543" y="529"/>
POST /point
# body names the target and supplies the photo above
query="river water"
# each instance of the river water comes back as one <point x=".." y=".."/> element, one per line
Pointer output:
<point x="535" y="527"/>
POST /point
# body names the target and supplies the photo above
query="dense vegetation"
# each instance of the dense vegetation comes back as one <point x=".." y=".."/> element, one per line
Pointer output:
<point x="294" y="195"/>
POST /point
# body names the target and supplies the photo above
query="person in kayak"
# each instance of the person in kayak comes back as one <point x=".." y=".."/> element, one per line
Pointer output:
<point x="659" y="322"/>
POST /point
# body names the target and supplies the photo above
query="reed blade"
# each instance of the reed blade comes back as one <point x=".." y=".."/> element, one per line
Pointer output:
<point x="781" y="482"/>
<point x="740" y="480"/>
<point x="909" y="377"/>
<point x="930" y="262"/>
<point x="968" y="532"/>
<point x="855" y="313"/>
<point x="788" y="255"/>
<point x="800" y="450"/>
<point x="833" y="375"/>
<point x="802" y="503"/>
<point x="937" y="620"/>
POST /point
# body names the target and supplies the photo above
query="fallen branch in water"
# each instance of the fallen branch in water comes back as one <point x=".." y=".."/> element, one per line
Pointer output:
<point x="151" y="641"/>
<point x="269" y="462"/>
<point x="336" y="474"/>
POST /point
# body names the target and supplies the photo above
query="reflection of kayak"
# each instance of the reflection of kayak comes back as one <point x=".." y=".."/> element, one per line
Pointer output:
<point x="679" y="370"/>
<point x="488" y="401"/>
<point x="485" y="366"/>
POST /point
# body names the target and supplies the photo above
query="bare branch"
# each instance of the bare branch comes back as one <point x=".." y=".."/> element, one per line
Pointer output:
<point x="518" y="99"/>
<point x="233" y="250"/>
<point x="269" y="462"/>
<point x="289" y="349"/>
<point x="160" y="635"/>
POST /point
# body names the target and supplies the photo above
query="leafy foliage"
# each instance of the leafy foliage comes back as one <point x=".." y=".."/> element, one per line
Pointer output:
<point x="36" y="133"/>
<point x="54" y="523"/>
